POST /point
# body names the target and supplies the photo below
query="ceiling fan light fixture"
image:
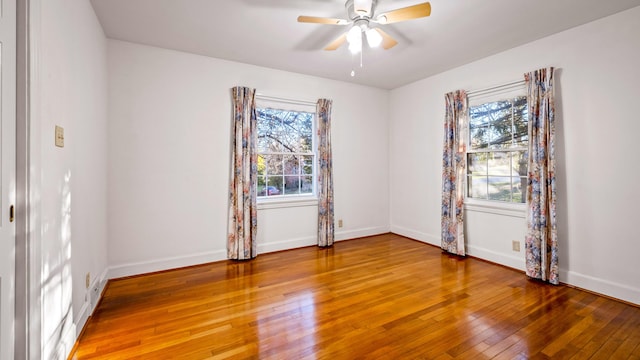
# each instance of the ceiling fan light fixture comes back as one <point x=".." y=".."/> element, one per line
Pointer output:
<point x="361" y="14"/>
<point x="355" y="48"/>
<point x="354" y="38"/>
<point x="374" y="39"/>
<point x="362" y="7"/>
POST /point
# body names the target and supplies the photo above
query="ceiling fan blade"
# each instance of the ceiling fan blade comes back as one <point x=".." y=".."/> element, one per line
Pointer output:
<point x="336" y="43"/>
<point x="322" y="20"/>
<point x="387" y="41"/>
<point x="407" y="13"/>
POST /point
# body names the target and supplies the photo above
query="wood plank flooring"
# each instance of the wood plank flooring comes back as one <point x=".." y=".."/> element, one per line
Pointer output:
<point x="381" y="297"/>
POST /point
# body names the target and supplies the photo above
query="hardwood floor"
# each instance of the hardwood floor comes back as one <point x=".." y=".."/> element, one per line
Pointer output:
<point x="381" y="297"/>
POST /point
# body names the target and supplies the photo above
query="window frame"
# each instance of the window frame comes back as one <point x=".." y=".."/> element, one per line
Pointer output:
<point x="291" y="200"/>
<point x="508" y="208"/>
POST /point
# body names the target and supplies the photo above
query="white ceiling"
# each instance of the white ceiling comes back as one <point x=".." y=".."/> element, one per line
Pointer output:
<point x="266" y="33"/>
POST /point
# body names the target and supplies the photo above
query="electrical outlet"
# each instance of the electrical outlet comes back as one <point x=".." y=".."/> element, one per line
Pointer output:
<point x="340" y="223"/>
<point x="515" y="245"/>
<point x="95" y="294"/>
<point x="87" y="280"/>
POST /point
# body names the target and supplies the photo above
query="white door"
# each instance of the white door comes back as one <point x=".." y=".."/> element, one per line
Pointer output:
<point x="8" y="172"/>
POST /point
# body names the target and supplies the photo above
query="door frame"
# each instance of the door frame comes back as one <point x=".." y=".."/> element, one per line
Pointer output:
<point x="28" y="309"/>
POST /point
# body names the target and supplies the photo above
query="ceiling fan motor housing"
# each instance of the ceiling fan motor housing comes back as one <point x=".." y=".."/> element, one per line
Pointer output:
<point x="363" y="24"/>
<point x="353" y="15"/>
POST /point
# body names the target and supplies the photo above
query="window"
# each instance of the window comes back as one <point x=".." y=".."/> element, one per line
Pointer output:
<point x="286" y="152"/>
<point x="497" y="154"/>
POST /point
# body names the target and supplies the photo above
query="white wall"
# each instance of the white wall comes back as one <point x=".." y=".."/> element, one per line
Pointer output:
<point x="71" y="91"/>
<point x="169" y="151"/>
<point x="597" y="87"/>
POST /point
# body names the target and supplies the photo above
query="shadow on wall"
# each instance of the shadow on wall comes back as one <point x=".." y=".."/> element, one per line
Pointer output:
<point x="561" y="176"/>
<point x="58" y="328"/>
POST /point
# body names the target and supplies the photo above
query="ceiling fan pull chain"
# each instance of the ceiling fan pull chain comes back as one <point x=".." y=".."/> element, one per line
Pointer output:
<point x="353" y="72"/>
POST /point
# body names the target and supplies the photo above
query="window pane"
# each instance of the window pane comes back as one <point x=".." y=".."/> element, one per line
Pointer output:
<point x="269" y="126"/>
<point x="266" y="143"/>
<point x="500" y="120"/>
<point x="479" y="126"/>
<point x="262" y="183"/>
<point x="306" y="185"/>
<point x="303" y="124"/>
<point x="479" y="137"/>
<point x="307" y="165"/>
<point x="295" y="131"/>
<point x="501" y="174"/>
<point x="519" y="186"/>
<point x="499" y="163"/>
<point x="291" y="165"/>
<point x="520" y="121"/>
<point x="274" y="186"/>
<point x="292" y="185"/>
<point x="477" y="164"/>
<point x="284" y="131"/>
<point x="519" y="161"/>
<point x="281" y="133"/>
<point x="477" y="187"/>
<point x="262" y="165"/>
<point x="478" y="116"/>
<point x="500" y="188"/>
<point x="274" y="164"/>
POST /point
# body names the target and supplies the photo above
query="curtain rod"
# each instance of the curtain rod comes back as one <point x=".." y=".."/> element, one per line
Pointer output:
<point x="508" y="85"/>
<point x="285" y="100"/>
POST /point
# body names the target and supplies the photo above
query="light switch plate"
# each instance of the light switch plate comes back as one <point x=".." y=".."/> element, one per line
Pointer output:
<point x="59" y="136"/>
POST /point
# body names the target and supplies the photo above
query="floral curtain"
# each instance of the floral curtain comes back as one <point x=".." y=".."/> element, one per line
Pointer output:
<point x="243" y="213"/>
<point x="453" y="171"/>
<point x="541" y="242"/>
<point x="325" y="174"/>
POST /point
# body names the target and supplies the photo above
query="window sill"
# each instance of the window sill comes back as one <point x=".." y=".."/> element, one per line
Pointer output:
<point x="495" y="207"/>
<point x="287" y="202"/>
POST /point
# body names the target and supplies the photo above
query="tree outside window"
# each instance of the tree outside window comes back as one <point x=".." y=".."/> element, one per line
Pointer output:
<point x="497" y="155"/>
<point x="286" y="152"/>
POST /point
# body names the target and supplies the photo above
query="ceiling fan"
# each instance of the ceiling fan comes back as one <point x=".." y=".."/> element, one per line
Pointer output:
<point x="362" y="14"/>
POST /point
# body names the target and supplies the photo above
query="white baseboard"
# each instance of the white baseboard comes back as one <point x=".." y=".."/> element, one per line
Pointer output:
<point x="130" y="269"/>
<point x="144" y="267"/>
<point x="312" y="240"/>
<point x="83" y="316"/>
<point x="507" y="260"/>
<point x="286" y="244"/>
<point x="358" y="233"/>
<point x="91" y="300"/>
<point x="597" y="285"/>
<point x="416" y="235"/>
<point x="481" y="253"/>
<point x="601" y="286"/>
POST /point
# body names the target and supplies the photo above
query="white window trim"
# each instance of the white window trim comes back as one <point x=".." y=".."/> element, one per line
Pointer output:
<point x="518" y="210"/>
<point x="491" y="94"/>
<point x="289" y="201"/>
